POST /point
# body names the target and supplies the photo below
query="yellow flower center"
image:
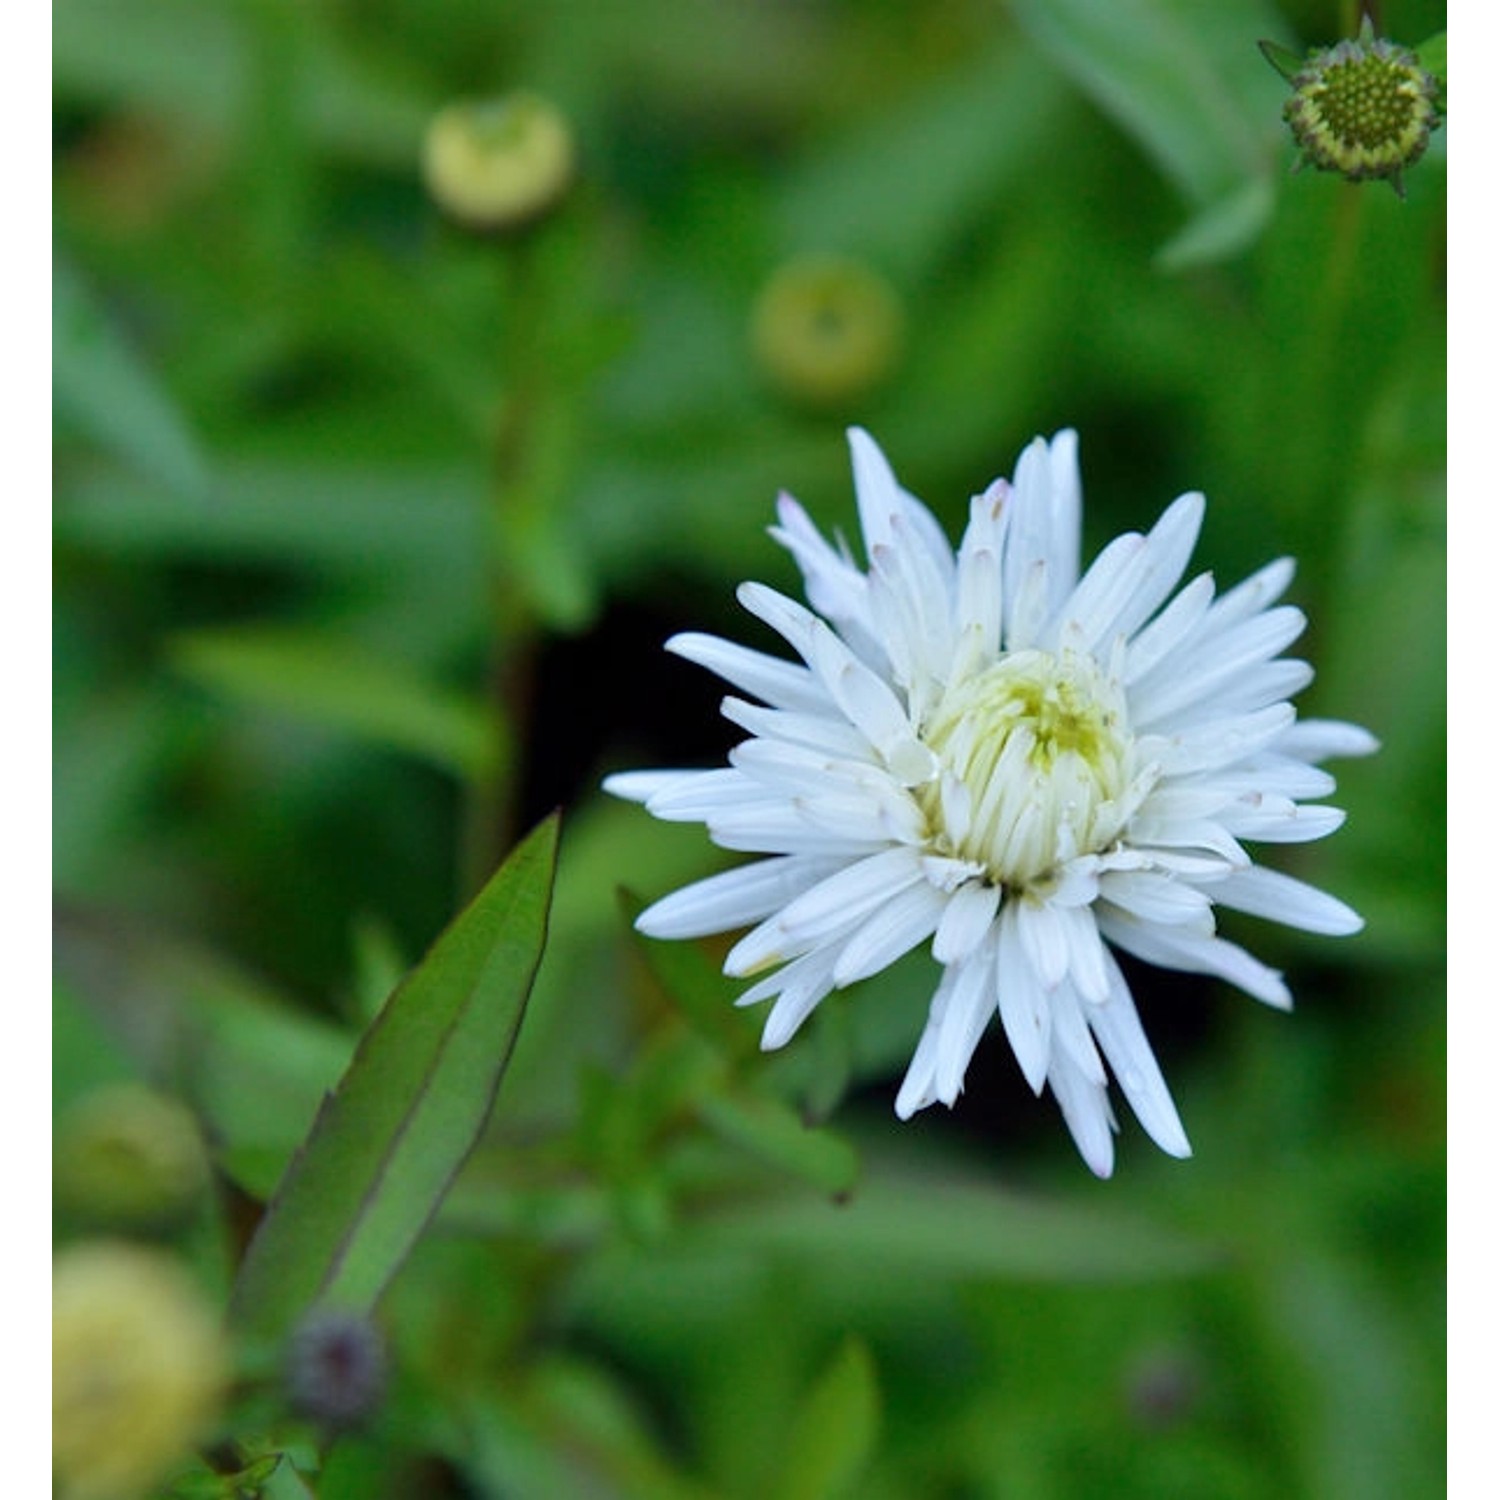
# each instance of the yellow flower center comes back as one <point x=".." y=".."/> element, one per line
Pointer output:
<point x="1037" y="759"/>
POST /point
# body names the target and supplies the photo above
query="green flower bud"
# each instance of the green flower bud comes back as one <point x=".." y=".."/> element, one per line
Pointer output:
<point x="498" y="164"/>
<point x="130" y="1159"/>
<point x="826" y="331"/>
<point x="1363" y="108"/>
<point x="139" y="1367"/>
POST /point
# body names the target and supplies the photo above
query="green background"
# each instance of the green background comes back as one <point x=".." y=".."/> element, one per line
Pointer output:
<point x="368" y="531"/>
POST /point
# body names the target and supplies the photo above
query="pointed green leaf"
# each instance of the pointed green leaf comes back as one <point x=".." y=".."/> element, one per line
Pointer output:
<point x="836" y="1429"/>
<point x="324" y="681"/>
<point x="107" y="392"/>
<point x="1176" y="75"/>
<point x="775" y="1132"/>
<point x="1433" y="55"/>
<point x="1222" y="230"/>
<point x="390" y="1139"/>
<point x="1283" y="59"/>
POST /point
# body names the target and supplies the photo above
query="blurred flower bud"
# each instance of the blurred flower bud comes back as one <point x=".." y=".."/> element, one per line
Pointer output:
<point x="139" y="1364"/>
<point x="131" y="1159"/>
<point x="499" y="164"/>
<point x="1363" y="108"/>
<point x="1162" y="1387"/>
<point x="826" y="330"/>
<point x="335" y="1367"/>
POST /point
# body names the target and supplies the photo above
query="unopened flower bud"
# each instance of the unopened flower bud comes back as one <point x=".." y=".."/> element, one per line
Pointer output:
<point x="139" y="1365"/>
<point x="335" y="1367"/>
<point x="131" y="1159"/>
<point x="498" y="164"/>
<point x="1363" y="108"/>
<point x="826" y="330"/>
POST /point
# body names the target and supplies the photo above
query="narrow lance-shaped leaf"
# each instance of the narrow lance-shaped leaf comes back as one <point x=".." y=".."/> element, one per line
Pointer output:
<point x="836" y="1431"/>
<point x="389" y="1140"/>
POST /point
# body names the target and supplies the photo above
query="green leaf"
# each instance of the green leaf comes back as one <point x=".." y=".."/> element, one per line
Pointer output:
<point x="253" y="1066"/>
<point x="304" y="673"/>
<point x="1433" y="55"/>
<point x="395" y="519"/>
<point x="1283" y="59"/>
<point x="777" y="1134"/>
<point x="930" y="1228"/>
<point x="836" y="1429"/>
<point x="1176" y="75"/>
<point x="390" y="1139"/>
<point x="101" y="387"/>
<point x="953" y="148"/>
<point x="1221" y="230"/>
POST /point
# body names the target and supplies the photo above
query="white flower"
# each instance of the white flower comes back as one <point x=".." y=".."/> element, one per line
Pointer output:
<point x="1024" y="766"/>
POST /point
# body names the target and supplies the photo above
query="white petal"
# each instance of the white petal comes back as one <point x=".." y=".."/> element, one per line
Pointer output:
<point x="869" y="704"/>
<point x="1177" y="684"/>
<point x="1170" y="544"/>
<point x="1071" y="1035"/>
<point x="897" y="927"/>
<point x="797" y="1000"/>
<point x="1280" y="898"/>
<point x="1167" y="632"/>
<point x="642" y="786"/>
<point x="843" y="898"/>
<point x="833" y="736"/>
<point x="1206" y="747"/>
<point x="977" y="609"/>
<point x="1086" y="952"/>
<point x="702" y="794"/>
<point x="779" y="827"/>
<point x="1277" y="820"/>
<point x="1043" y="939"/>
<point x="835" y="587"/>
<point x="1261" y="589"/>
<point x="1194" y="953"/>
<point x="966" y="921"/>
<point x="1324" y="739"/>
<point x="968" y="1011"/>
<point x="1024" y="1012"/>
<point x="1155" y="897"/>
<point x="782" y="684"/>
<point x="1085" y="1108"/>
<point x="918" y="1088"/>
<point x="1277" y="775"/>
<point x="1118" y="1027"/>
<point x="1152" y="835"/>
<point x="863" y="812"/>
<point x="733" y="898"/>
<point x="882" y="498"/>
<point x="793" y="622"/>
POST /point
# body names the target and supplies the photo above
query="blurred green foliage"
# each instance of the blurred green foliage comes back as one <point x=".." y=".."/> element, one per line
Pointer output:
<point x="367" y="534"/>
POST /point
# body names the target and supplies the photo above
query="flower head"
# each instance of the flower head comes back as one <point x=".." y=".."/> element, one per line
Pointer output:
<point x="139" y="1365"/>
<point x="827" y="330"/>
<point x="335" y="1368"/>
<point x="1025" y="767"/>
<point x="131" y="1159"/>
<point x="1364" y="108"/>
<point x="498" y="164"/>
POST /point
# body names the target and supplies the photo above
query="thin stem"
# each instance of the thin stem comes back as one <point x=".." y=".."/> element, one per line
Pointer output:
<point x="491" y="813"/>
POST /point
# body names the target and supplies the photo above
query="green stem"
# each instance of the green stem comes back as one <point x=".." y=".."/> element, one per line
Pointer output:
<point x="491" y="814"/>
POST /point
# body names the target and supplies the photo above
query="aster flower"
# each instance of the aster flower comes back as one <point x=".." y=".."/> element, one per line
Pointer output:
<point x="1025" y="767"/>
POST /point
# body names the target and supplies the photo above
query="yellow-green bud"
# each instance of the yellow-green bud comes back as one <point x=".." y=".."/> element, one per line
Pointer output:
<point x="139" y="1365"/>
<point x="826" y="330"/>
<point x="130" y="1159"/>
<point x="1363" y="108"/>
<point x="498" y="164"/>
